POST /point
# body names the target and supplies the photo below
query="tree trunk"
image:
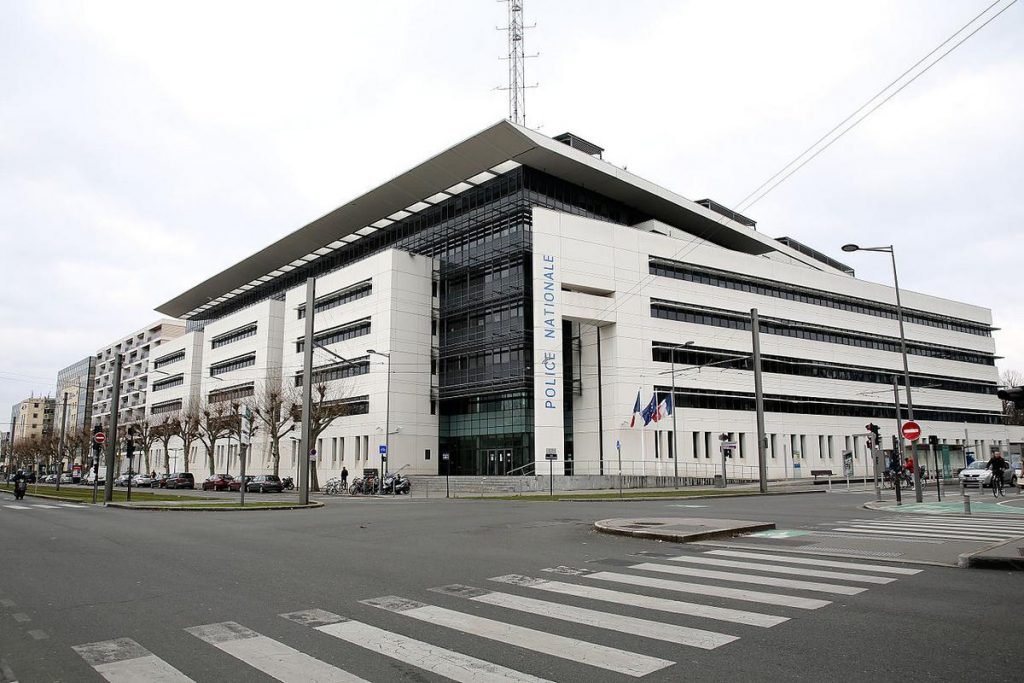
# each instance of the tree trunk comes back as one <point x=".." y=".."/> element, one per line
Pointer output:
<point x="145" y="454"/>
<point x="314" y="482"/>
<point x="209" y="461"/>
<point x="275" y="455"/>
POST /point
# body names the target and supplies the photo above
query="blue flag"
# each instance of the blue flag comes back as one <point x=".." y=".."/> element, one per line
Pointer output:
<point x="650" y="410"/>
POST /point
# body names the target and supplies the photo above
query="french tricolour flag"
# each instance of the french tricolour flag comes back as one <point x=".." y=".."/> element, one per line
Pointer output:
<point x="664" y="408"/>
<point x="636" y="409"/>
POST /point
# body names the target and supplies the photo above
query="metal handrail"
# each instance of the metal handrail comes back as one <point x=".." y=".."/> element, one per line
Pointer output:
<point x="513" y="472"/>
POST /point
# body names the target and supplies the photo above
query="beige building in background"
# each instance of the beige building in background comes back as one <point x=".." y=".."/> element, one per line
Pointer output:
<point x="32" y="418"/>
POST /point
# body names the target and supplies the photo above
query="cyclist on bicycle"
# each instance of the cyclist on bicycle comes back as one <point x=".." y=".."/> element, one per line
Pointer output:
<point x="908" y="470"/>
<point x="997" y="464"/>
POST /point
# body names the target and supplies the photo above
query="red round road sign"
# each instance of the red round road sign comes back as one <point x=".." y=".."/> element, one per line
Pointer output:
<point x="99" y="437"/>
<point x="911" y="431"/>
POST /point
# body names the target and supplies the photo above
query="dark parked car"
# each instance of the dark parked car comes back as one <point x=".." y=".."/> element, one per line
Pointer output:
<point x="264" y="483"/>
<point x="236" y="484"/>
<point x="161" y="480"/>
<point x="180" y="480"/>
<point x="218" y="482"/>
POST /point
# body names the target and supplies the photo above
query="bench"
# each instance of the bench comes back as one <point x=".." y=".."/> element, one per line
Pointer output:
<point x="820" y="473"/>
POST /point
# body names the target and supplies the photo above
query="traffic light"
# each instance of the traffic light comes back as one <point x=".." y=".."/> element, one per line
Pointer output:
<point x="1014" y="395"/>
<point x="129" y="445"/>
<point x="933" y="440"/>
<point x="873" y="430"/>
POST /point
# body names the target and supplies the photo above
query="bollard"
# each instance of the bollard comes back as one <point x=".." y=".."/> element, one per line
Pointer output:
<point x="967" y="504"/>
<point x="830" y="483"/>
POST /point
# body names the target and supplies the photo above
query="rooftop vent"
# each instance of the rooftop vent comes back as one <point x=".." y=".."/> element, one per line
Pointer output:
<point x="727" y="212"/>
<point x="579" y="143"/>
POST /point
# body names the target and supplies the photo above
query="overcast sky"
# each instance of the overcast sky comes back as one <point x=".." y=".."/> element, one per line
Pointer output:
<point x="145" y="146"/>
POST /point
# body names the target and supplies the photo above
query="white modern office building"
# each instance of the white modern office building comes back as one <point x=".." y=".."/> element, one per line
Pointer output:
<point x="518" y="293"/>
<point x="176" y="373"/>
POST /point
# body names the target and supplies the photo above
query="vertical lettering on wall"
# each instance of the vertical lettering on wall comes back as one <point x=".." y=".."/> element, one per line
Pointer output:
<point x="549" y="430"/>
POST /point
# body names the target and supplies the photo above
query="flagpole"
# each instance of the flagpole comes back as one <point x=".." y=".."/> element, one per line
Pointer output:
<point x="643" y="456"/>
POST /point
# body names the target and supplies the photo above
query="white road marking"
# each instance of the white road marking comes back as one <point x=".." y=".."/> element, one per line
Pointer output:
<point x="437" y="660"/>
<point x="816" y="562"/>
<point x="735" y="616"/>
<point x="915" y="534"/>
<point x="69" y="505"/>
<point x="17" y="507"/>
<point x="125" y="661"/>
<point x="48" y="507"/>
<point x="581" y="651"/>
<point x="275" y="659"/>
<point x="988" y="522"/>
<point x="778" y="569"/>
<point x="681" y="635"/>
<point x="716" y="591"/>
<point x="977" y="530"/>
<point x="750" y="578"/>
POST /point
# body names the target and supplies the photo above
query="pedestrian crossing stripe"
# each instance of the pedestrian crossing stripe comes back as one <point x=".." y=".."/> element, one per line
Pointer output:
<point x="644" y="601"/>
<point x="579" y="651"/>
<point x="916" y="533"/>
<point x="125" y="661"/>
<point x="437" y="660"/>
<point x="273" y="658"/>
<point x="680" y="635"/>
<point x="777" y="569"/>
<point x="750" y="578"/>
<point x="790" y="559"/>
<point x="975" y="527"/>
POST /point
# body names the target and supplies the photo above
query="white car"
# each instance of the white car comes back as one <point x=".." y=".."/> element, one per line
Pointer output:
<point x="142" y="480"/>
<point x="978" y="474"/>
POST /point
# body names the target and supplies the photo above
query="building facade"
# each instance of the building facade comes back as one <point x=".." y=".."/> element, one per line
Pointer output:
<point x="175" y="376"/>
<point x="32" y="418"/>
<point x="528" y="292"/>
<point x="135" y="350"/>
<point x="76" y="381"/>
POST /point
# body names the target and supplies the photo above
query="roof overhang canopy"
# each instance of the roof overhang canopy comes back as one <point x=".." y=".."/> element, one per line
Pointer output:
<point x="470" y="162"/>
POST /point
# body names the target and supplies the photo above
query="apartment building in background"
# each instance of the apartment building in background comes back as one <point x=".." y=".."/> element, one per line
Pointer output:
<point x="136" y="349"/>
<point x="32" y="418"/>
<point x="76" y="382"/>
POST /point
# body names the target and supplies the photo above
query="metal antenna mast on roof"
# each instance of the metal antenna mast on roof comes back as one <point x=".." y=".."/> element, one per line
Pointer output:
<point x="516" y="62"/>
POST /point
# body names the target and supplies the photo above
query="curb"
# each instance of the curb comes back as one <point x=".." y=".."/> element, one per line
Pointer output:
<point x="556" y="499"/>
<point x="974" y="561"/>
<point x="211" y="508"/>
<point x="684" y="538"/>
<point x="871" y="505"/>
<point x="49" y="497"/>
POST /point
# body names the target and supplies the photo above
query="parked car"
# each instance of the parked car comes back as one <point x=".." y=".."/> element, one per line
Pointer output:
<point x="48" y="479"/>
<point x="160" y="481"/>
<point x="978" y="474"/>
<point x="142" y="480"/>
<point x="67" y="479"/>
<point x="180" y="480"/>
<point x="236" y="484"/>
<point x="99" y="480"/>
<point x="218" y="482"/>
<point x="264" y="483"/>
<point x="122" y="480"/>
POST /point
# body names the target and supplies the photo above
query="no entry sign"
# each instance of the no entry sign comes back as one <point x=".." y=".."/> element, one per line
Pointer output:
<point x="99" y="437"/>
<point x="911" y="431"/>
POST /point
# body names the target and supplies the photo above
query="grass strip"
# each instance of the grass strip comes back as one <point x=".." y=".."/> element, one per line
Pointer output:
<point x="75" y="494"/>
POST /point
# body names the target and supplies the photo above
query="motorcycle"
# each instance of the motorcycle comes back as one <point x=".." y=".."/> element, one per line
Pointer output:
<point x="287" y="484"/>
<point x="395" y="484"/>
<point x="20" y="486"/>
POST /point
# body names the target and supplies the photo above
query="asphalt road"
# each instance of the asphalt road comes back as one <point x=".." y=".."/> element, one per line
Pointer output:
<point x="73" y="576"/>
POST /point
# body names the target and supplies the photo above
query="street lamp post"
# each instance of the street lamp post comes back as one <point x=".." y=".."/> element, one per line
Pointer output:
<point x="903" y="347"/>
<point x="387" y="414"/>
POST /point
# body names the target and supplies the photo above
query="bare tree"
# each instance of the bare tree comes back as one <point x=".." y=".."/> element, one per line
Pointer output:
<point x="1012" y="415"/>
<point x="164" y="431"/>
<point x="324" y="412"/>
<point x="186" y="428"/>
<point x="144" y="433"/>
<point x="272" y="408"/>
<point x="214" y="423"/>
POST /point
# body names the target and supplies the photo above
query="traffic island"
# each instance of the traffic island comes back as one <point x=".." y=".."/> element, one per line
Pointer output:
<point x="214" y="506"/>
<point x="680" y="529"/>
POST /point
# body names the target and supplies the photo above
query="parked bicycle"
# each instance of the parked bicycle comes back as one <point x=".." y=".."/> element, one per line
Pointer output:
<point x="364" y="486"/>
<point x="334" y="487"/>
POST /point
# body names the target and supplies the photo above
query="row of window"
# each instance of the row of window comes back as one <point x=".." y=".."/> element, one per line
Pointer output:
<point x="168" y="383"/>
<point x="357" y="366"/>
<point x="168" y="359"/>
<point x="816" y="297"/>
<point x="702" y="315"/>
<point x="467" y="322"/>
<point x="232" y="393"/>
<point x="809" y="405"/>
<point x="338" y="298"/>
<point x="233" y="336"/>
<point x="334" y="335"/>
<point x="231" y="364"/>
<point x="693" y="356"/>
<point x="166" y="407"/>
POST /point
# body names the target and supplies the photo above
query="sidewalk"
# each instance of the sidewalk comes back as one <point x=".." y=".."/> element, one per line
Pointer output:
<point x="680" y="529"/>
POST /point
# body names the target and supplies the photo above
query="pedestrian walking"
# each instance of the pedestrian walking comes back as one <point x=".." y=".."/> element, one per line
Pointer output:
<point x="344" y="479"/>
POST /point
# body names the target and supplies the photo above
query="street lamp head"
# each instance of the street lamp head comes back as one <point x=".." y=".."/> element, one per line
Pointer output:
<point x="690" y="343"/>
<point x="850" y="247"/>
